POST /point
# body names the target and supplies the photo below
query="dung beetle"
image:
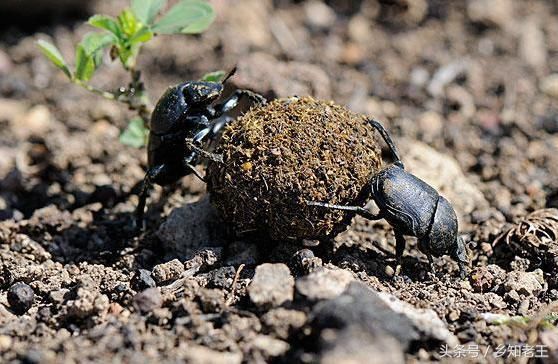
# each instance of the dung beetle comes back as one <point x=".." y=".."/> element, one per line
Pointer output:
<point x="183" y="120"/>
<point x="413" y="208"/>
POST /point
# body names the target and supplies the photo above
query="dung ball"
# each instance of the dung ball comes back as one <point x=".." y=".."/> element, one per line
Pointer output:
<point x="279" y="156"/>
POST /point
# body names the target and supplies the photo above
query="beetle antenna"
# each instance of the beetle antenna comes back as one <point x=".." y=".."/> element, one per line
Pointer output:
<point x="229" y="74"/>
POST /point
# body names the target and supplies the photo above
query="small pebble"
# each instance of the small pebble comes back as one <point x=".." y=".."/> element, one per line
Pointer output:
<point x="20" y="297"/>
<point x="142" y="280"/>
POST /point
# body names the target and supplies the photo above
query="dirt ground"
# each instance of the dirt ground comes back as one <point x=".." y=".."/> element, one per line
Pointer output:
<point x="469" y="90"/>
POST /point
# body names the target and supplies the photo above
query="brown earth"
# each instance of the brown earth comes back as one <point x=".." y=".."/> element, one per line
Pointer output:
<point x="467" y="88"/>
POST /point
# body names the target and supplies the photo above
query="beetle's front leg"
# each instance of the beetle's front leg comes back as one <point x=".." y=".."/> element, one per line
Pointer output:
<point x="232" y="101"/>
<point x="356" y="209"/>
<point x="196" y="142"/>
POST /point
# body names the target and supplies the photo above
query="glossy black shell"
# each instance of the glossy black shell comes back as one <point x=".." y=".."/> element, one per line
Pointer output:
<point x="406" y="202"/>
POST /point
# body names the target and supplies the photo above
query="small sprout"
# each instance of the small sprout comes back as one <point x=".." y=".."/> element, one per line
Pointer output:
<point x="123" y="37"/>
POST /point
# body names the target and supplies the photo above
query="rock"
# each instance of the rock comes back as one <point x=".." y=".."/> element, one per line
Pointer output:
<point x="168" y="271"/>
<point x="191" y="227"/>
<point x="20" y="298"/>
<point x="532" y="44"/>
<point x="35" y="122"/>
<point x="426" y="321"/>
<point x="269" y="346"/>
<point x="363" y="308"/>
<point x="380" y="315"/>
<point x="493" y="13"/>
<point x="271" y="286"/>
<point x="304" y="262"/>
<point x="201" y="355"/>
<point x="211" y="300"/>
<point x="526" y="283"/>
<point x="549" y="85"/>
<point x="282" y="322"/>
<point x="356" y="345"/>
<point x="142" y="280"/>
<point x="324" y="283"/>
<point x="444" y="174"/>
<point x="318" y="14"/>
<point x="148" y="300"/>
<point x="5" y="343"/>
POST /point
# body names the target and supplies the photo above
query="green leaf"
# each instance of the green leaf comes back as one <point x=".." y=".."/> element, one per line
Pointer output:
<point x="216" y="76"/>
<point x="53" y="54"/>
<point x="106" y="23"/>
<point x="143" y="35"/>
<point x="189" y="15"/>
<point x="147" y="10"/>
<point x="89" y="53"/>
<point x="85" y="64"/>
<point x="93" y="42"/>
<point x="128" y="23"/>
<point x="135" y="134"/>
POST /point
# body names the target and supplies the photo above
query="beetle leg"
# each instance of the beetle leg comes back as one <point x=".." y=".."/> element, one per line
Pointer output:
<point x="150" y="176"/>
<point x="187" y="163"/>
<point x="195" y="143"/>
<point x="459" y="254"/>
<point x="232" y="101"/>
<point x="387" y="138"/>
<point x="356" y="209"/>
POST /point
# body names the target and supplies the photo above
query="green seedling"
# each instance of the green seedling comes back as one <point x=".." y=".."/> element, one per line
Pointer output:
<point x="123" y="37"/>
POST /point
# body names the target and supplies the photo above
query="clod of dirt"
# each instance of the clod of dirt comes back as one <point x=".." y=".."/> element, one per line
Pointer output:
<point x="283" y="322"/>
<point x="20" y="297"/>
<point x="191" y="227"/>
<point x="323" y="283"/>
<point x="167" y="271"/>
<point x="148" y="300"/>
<point x="271" y="286"/>
<point x="211" y="299"/>
<point x="288" y="152"/>
<point x="525" y="283"/>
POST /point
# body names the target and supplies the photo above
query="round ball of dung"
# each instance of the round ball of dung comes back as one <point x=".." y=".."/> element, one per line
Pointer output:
<point x="279" y="156"/>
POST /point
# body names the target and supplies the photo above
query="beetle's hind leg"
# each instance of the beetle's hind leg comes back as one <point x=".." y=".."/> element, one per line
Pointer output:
<point x="148" y="181"/>
<point x="356" y="209"/>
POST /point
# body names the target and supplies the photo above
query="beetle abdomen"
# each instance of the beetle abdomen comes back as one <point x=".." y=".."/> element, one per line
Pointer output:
<point x="407" y="202"/>
<point x="444" y="228"/>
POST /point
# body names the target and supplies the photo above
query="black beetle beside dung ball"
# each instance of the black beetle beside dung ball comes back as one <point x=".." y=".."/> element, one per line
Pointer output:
<point x="278" y="156"/>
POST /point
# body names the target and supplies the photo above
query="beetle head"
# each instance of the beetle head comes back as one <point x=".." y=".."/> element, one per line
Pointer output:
<point x="202" y="93"/>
